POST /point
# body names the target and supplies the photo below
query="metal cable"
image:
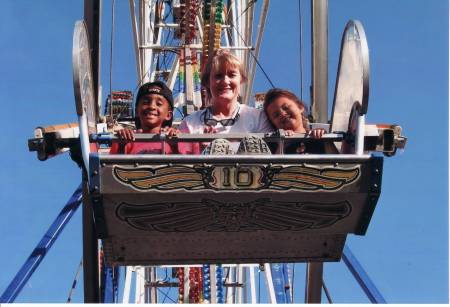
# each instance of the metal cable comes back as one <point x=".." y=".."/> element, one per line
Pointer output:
<point x="326" y="292"/>
<point x="254" y="57"/>
<point x="166" y="295"/>
<point x="225" y="281"/>
<point x="74" y="283"/>
<point x="250" y="4"/>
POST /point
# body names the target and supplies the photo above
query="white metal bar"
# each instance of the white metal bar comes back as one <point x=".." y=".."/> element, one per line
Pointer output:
<point x="270" y="288"/>
<point x="150" y="289"/>
<point x="142" y="38"/>
<point x="148" y="36"/>
<point x="249" y="32"/>
<point x="244" y="27"/>
<point x="127" y="286"/>
<point x="137" y="292"/>
<point x="361" y="122"/>
<point x="227" y="40"/>
<point x="167" y="25"/>
<point x="147" y="285"/>
<point x="242" y="23"/>
<point x="319" y="54"/>
<point x="189" y="76"/>
<point x="139" y="297"/>
<point x="240" y="280"/>
<point x="84" y="140"/>
<point x="237" y="24"/>
<point x="252" y="70"/>
<point x="234" y="17"/>
<point x="252" y="285"/>
<point x="186" y="285"/>
<point x="173" y="72"/>
<point x="135" y="40"/>
<point x="199" y="26"/>
<point x="212" y="274"/>
<point x="158" y="42"/>
<point x="230" y="291"/>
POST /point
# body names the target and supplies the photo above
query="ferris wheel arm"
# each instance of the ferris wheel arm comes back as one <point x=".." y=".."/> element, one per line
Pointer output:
<point x="262" y="22"/>
<point x="135" y="39"/>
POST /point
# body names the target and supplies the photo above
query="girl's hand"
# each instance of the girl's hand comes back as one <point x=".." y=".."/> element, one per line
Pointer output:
<point x="289" y="132"/>
<point x="316" y="133"/>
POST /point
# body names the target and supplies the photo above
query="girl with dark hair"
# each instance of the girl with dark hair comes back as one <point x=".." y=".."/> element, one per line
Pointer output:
<point x="285" y="111"/>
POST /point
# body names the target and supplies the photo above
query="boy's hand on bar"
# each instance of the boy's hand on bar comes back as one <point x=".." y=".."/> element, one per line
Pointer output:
<point x="127" y="135"/>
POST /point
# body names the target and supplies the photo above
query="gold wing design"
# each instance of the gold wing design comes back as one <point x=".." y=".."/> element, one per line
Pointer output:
<point x="162" y="178"/>
<point x="308" y="178"/>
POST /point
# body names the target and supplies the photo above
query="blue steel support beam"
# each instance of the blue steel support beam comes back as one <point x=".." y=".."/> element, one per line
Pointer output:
<point x="361" y="277"/>
<point x="280" y="282"/>
<point x="42" y="248"/>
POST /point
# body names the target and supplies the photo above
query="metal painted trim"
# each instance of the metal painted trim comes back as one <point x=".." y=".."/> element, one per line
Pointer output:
<point x="374" y="194"/>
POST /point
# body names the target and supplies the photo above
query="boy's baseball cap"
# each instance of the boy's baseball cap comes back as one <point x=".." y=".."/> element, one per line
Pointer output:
<point x="156" y="87"/>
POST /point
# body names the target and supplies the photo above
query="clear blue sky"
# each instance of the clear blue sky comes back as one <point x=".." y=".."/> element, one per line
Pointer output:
<point x="406" y="248"/>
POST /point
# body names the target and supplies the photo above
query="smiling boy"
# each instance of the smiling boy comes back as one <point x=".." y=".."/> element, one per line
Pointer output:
<point x="154" y="114"/>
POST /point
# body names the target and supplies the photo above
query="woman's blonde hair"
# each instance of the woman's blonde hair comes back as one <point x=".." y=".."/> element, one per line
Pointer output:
<point x="275" y="93"/>
<point x="221" y="57"/>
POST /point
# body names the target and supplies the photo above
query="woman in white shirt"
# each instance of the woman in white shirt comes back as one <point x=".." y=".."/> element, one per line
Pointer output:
<point x="222" y="79"/>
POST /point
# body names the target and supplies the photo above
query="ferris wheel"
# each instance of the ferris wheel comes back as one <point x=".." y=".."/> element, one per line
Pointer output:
<point x="215" y="229"/>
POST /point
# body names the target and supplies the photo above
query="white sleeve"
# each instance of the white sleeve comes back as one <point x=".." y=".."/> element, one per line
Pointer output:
<point x="263" y="123"/>
<point x="192" y="123"/>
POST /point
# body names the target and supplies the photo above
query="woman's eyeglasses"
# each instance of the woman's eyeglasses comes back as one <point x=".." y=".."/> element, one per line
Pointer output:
<point x="209" y="121"/>
<point x="225" y="122"/>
